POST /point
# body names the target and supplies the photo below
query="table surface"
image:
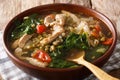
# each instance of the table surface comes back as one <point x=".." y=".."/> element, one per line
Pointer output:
<point x="10" y="8"/>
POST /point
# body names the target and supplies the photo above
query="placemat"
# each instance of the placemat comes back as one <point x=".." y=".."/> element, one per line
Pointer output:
<point x="9" y="71"/>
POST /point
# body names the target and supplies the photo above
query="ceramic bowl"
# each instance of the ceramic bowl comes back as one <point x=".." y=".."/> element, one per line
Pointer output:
<point x="52" y="73"/>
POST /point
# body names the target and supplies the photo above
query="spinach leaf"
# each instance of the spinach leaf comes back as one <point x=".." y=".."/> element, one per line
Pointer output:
<point x="61" y="63"/>
<point x="25" y="26"/>
<point x="76" y="41"/>
<point x="92" y="53"/>
<point x="71" y="41"/>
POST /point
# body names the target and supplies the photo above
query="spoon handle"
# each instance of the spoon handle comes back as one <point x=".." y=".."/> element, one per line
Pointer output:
<point x="99" y="73"/>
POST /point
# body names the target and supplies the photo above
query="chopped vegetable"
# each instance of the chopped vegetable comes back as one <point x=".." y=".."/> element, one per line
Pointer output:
<point x="76" y="41"/>
<point x="101" y="50"/>
<point x="40" y="29"/>
<point x="25" y="26"/>
<point x="108" y="41"/>
<point x="97" y="27"/>
<point x="96" y="52"/>
<point x="71" y="41"/>
<point x="42" y="56"/>
<point x="95" y="34"/>
<point x="61" y="63"/>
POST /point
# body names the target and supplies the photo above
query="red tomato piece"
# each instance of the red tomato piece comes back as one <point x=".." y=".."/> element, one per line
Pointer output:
<point x="97" y="27"/>
<point x="95" y="34"/>
<point x="42" y="56"/>
<point x="40" y="28"/>
<point x="108" y="41"/>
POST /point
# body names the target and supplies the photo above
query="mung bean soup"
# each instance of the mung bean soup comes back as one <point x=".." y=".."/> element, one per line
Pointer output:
<point x="46" y="40"/>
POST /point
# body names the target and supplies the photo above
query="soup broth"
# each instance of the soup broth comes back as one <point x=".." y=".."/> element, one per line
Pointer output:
<point x="45" y="40"/>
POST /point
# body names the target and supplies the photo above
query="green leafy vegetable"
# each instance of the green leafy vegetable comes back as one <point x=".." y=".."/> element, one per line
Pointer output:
<point x="25" y="26"/>
<point x="76" y="41"/>
<point x="61" y="63"/>
<point x="95" y="52"/>
<point x="71" y="41"/>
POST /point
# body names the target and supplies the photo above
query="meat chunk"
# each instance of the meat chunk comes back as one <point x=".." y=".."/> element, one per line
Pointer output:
<point x="73" y="16"/>
<point x="60" y="19"/>
<point x="83" y="27"/>
<point x="36" y="62"/>
<point x="48" y="20"/>
<point x="19" y="52"/>
<point x="23" y="40"/>
<point x="15" y="44"/>
<point x="57" y="29"/>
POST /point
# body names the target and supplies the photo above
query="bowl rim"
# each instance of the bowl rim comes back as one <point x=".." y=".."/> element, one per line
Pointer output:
<point x="60" y="69"/>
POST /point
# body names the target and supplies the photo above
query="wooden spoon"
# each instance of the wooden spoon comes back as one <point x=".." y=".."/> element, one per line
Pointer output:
<point x="99" y="73"/>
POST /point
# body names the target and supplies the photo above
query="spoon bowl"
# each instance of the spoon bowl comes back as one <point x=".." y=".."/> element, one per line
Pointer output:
<point x="99" y="73"/>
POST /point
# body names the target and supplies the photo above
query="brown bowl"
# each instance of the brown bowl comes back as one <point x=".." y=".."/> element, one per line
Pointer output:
<point x="52" y="73"/>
